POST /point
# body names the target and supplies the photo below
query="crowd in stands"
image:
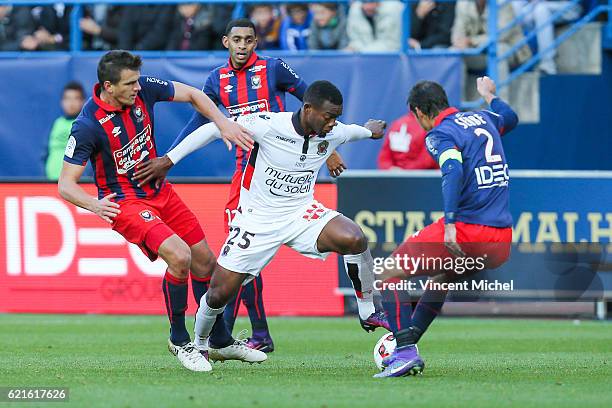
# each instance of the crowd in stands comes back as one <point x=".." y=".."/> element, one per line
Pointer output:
<point x="350" y="26"/>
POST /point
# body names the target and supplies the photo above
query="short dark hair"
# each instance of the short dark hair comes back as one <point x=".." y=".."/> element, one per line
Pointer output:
<point x="113" y="62"/>
<point x="320" y="91"/>
<point x="74" y="86"/>
<point x="240" y="22"/>
<point x="296" y="6"/>
<point x="429" y="97"/>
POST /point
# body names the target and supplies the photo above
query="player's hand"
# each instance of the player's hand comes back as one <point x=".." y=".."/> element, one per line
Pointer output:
<point x="377" y="127"/>
<point x="106" y="209"/>
<point x="232" y="132"/>
<point x="153" y="170"/>
<point x="450" y="241"/>
<point x="486" y="88"/>
<point x="335" y="164"/>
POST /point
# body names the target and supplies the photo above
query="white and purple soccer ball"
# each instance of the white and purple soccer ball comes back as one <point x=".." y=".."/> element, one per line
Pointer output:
<point x="383" y="348"/>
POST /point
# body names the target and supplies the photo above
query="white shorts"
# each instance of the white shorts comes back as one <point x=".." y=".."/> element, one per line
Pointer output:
<point x="251" y="243"/>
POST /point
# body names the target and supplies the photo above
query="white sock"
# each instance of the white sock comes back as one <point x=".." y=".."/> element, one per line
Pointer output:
<point x="360" y="270"/>
<point x="204" y="322"/>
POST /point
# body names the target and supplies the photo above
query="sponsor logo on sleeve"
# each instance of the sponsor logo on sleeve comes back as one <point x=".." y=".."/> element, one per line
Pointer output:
<point x="157" y="81"/>
<point x="70" y="146"/>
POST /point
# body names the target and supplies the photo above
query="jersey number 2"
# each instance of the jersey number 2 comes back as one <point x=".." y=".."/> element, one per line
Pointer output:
<point x="491" y="158"/>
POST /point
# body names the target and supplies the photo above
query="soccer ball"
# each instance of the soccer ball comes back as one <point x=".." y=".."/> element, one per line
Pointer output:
<point x="383" y="348"/>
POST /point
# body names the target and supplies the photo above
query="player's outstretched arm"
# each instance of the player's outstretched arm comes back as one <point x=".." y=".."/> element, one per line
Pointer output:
<point x="157" y="168"/>
<point x="70" y="191"/>
<point x="201" y="102"/>
<point x="373" y="129"/>
<point x="487" y="90"/>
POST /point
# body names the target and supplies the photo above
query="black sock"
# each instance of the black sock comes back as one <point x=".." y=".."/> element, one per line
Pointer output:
<point x="219" y="336"/>
<point x="231" y="311"/>
<point x="175" y="296"/>
<point x="428" y="308"/>
<point x="253" y="300"/>
<point x="398" y="309"/>
<point x="199" y="287"/>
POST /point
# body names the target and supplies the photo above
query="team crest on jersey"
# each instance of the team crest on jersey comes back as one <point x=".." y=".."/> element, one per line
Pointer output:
<point x="302" y="157"/>
<point x="138" y="113"/>
<point x="255" y="82"/>
<point x="322" y="148"/>
<point x="147" y="215"/>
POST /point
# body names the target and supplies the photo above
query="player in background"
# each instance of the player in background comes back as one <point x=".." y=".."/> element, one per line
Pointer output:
<point x="115" y="130"/>
<point x="277" y="205"/>
<point x="476" y="222"/>
<point x="249" y="83"/>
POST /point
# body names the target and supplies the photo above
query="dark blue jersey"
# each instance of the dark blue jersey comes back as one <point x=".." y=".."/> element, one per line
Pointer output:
<point x="117" y="139"/>
<point x="260" y="85"/>
<point x="474" y="140"/>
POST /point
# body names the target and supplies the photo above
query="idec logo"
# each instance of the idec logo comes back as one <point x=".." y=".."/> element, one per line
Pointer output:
<point x="58" y="258"/>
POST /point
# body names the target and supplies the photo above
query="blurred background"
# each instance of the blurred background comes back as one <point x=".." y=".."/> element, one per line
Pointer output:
<point x="552" y="60"/>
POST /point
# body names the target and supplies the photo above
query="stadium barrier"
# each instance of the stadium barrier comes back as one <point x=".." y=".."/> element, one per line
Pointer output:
<point x="57" y="258"/>
<point x="548" y="207"/>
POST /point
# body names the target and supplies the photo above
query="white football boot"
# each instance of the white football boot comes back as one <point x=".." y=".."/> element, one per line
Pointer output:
<point x="239" y="350"/>
<point x="190" y="356"/>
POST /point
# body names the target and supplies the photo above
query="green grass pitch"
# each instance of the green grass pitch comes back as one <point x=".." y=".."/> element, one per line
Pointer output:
<point x="112" y="361"/>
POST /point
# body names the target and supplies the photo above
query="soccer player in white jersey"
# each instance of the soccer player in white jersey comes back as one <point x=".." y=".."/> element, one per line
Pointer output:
<point x="277" y="205"/>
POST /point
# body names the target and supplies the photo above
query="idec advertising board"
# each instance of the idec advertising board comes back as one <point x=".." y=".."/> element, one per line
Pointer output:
<point x="57" y="258"/>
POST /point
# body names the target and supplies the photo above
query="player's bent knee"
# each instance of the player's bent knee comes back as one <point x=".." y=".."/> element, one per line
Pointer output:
<point x="215" y="298"/>
<point x="356" y="243"/>
<point x="180" y="261"/>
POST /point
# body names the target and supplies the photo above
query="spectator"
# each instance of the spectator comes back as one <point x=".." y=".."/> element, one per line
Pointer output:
<point x="328" y="28"/>
<point x="431" y="24"/>
<point x="145" y="27"/>
<point x="100" y="26"/>
<point x="404" y="146"/>
<point x="53" y="29"/>
<point x="470" y="31"/>
<point x="73" y="98"/>
<point x="191" y="28"/>
<point x="375" y="26"/>
<point x="295" y="28"/>
<point x="267" y="26"/>
<point x="16" y="24"/>
<point x="538" y="14"/>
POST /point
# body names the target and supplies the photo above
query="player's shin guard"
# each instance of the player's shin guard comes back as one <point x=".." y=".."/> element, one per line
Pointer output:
<point x="175" y="296"/>
<point x="253" y="300"/>
<point x="206" y="317"/>
<point x="398" y="309"/>
<point x="428" y="308"/>
<point x="360" y="270"/>
<point x="199" y="287"/>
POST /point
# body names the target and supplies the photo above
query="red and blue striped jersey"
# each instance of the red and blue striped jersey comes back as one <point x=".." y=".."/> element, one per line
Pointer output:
<point x="115" y="140"/>
<point x="260" y="85"/>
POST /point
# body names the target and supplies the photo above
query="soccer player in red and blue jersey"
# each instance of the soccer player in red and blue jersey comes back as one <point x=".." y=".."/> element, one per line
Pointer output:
<point x="249" y="83"/>
<point x="476" y="222"/>
<point x="115" y="131"/>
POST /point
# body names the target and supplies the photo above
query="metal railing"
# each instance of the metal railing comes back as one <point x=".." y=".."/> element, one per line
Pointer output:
<point x="490" y="46"/>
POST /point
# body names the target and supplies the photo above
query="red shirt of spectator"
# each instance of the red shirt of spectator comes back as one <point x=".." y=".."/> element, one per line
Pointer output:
<point x="404" y="146"/>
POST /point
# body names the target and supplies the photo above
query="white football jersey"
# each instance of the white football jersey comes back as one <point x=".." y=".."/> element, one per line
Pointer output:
<point x="283" y="166"/>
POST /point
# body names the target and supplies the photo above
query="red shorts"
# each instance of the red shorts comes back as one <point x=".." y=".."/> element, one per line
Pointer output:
<point x="234" y="198"/>
<point x="149" y="222"/>
<point x="475" y="240"/>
